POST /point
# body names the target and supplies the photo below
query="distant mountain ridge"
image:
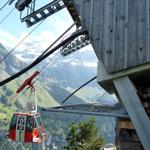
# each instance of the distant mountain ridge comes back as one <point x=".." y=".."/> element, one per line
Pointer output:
<point x="72" y="70"/>
<point x="63" y="75"/>
<point x="60" y="79"/>
<point x="12" y="65"/>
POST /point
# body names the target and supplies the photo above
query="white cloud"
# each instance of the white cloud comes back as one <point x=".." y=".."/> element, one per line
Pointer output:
<point x="38" y="43"/>
<point x="7" y="39"/>
<point x="24" y="59"/>
<point x="66" y="60"/>
<point x="61" y="21"/>
<point x="40" y="40"/>
<point x="87" y="48"/>
<point x="76" y="62"/>
<point x="90" y="64"/>
<point x="34" y="43"/>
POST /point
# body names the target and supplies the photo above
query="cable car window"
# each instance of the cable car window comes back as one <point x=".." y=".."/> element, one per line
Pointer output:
<point x="30" y="123"/>
<point x="19" y="119"/>
<point x="21" y="122"/>
<point x="20" y="127"/>
<point x="13" y="122"/>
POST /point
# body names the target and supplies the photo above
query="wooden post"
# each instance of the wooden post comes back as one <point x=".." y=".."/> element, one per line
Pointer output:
<point x="137" y="114"/>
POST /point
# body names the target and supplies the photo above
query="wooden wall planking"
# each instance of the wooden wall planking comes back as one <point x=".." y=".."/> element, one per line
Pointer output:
<point x="131" y="55"/>
<point x="97" y="24"/>
<point x="148" y="30"/>
<point x="109" y="33"/>
<point x="141" y="32"/>
<point x="126" y="34"/>
<point x="119" y="30"/>
<point x="120" y="35"/>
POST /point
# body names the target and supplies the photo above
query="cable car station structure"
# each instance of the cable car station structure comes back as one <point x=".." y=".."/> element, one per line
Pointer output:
<point x="119" y="32"/>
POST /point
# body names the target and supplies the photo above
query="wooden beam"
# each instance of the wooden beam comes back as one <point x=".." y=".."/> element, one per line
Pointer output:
<point x="137" y="114"/>
<point x="125" y="125"/>
<point x="146" y="104"/>
<point x="106" y="80"/>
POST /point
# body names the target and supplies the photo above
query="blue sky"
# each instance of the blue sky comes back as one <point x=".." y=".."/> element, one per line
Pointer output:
<point x="12" y="30"/>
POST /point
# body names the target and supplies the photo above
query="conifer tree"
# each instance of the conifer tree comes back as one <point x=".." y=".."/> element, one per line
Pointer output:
<point x="84" y="136"/>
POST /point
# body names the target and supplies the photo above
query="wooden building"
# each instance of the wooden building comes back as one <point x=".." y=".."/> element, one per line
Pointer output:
<point x="120" y="35"/>
<point x="119" y="30"/>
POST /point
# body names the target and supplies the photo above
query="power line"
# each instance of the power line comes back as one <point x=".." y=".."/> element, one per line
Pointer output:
<point x="4" y="5"/>
<point x="58" y="38"/>
<point x="41" y="58"/>
<point x="43" y="68"/>
<point x="6" y="16"/>
<point x="101" y="96"/>
<point x="78" y="89"/>
<point x="54" y="44"/>
<point x="8" y="102"/>
<point x="12" y="99"/>
<point x="21" y="41"/>
<point x="73" y="122"/>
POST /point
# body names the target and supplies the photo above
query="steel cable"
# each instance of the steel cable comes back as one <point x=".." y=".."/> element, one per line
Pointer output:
<point x="78" y="89"/>
<point x="41" y="58"/>
<point x="4" y="5"/>
<point x="21" y="41"/>
<point x="6" y="16"/>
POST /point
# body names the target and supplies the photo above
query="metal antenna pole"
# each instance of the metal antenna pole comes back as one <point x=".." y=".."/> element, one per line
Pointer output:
<point x="35" y="97"/>
<point x="35" y="100"/>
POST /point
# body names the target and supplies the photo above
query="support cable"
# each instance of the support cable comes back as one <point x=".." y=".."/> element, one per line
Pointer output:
<point x="58" y="38"/>
<point x="4" y="5"/>
<point x="73" y="122"/>
<point x="101" y="96"/>
<point x="12" y="99"/>
<point x="21" y="41"/>
<point x="78" y="89"/>
<point x="6" y="16"/>
<point x="41" y="58"/>
<point x="62" y="35"/>
<point x="29" y="82"/>
<point x="26" y="83"/>
<point x="79" y="117"/>
<point x="44" y="67"/>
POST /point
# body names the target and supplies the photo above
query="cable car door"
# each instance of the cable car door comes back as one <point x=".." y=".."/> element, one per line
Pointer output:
<point x="20" y="128"/>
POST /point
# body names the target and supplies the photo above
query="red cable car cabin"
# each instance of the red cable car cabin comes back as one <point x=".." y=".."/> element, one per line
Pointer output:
<point x="27" y="127"/>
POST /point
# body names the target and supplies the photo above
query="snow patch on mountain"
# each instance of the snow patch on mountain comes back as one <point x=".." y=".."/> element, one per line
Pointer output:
<point x="84" y="57"/>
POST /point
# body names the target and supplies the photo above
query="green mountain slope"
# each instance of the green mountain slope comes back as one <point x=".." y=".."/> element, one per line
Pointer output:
<point x="59" y="94"/>
<point x="51" y="90"/>
<point x="12" y="65"/>
<point x="8" y="67"/>
<point x="49" y="94"/>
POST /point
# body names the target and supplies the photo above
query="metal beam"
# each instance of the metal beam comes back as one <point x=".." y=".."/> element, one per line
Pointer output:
<point x="43" y="12"/>
<point x="75" y="45"/>
<point x="85" y="112"/>
<point x="136" y="112"/>
<point x="73" y="12"/>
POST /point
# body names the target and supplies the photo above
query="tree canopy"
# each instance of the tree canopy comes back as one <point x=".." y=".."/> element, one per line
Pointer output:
<point x="84" y="136"/>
